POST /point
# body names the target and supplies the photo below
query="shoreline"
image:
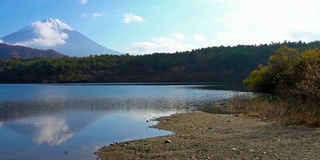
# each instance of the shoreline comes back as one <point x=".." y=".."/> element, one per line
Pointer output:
<point x="199" y="135"/>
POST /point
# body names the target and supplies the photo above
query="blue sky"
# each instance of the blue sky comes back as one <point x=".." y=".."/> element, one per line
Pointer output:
<point x="148" y="26"/>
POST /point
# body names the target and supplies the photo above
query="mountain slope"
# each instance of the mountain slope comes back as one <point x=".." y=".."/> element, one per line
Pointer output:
<point x="10" y="51"/>
<point x="54" y="34"/>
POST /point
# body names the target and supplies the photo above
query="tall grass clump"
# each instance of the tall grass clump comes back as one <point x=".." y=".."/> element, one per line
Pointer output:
<point x="277" y="110"/>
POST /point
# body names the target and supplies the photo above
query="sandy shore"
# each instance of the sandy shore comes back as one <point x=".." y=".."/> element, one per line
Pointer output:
<point x="208" y="136"/>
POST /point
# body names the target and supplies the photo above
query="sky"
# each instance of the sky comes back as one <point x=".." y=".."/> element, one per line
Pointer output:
<point x="149" y="26"/>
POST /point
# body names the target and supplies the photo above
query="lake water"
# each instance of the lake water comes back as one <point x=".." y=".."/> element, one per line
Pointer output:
<point x="71" y="121"/>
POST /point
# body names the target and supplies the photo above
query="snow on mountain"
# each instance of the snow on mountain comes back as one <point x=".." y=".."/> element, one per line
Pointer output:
<point x="56" y="23"/>
<point x="54" y="34"/>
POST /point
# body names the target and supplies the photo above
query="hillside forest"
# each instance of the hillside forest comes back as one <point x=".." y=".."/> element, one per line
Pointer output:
<point x="212" y="64"/>
<point x="15" y="51"/>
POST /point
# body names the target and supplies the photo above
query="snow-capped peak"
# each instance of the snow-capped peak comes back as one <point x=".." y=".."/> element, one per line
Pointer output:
<point x="52" y="33"/>
<point x="57" y="23"/>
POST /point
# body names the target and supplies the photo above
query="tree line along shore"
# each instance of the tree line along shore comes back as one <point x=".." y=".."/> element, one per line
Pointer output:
<point x="212" y="64"/>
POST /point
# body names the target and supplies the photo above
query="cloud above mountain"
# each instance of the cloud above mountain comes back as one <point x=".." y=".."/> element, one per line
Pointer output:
<point x="199" y="37"/>
<point x="96" y="14"/>
<point x="83" y="1"/>
<point x="179" y="36"/>
<point x="170" y="44"/>
<point x="129" y="17"/>
<point x="91" y="15"/>
<point x="47" y="35"/>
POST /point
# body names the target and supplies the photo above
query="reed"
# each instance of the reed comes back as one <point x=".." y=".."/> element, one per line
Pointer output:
<point x="293" y="111"/>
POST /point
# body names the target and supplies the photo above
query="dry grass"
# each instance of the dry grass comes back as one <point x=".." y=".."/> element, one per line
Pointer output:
<point x="290" y="112"/>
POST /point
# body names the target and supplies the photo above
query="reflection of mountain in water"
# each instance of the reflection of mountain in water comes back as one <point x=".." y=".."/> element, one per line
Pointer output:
<point x="52" y="129"/>
<point x="54" y="122"/>
<point x="48" y="119"/>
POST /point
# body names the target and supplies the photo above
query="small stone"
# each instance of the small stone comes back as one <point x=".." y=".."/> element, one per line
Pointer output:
<point x="167" y="141"/>
<point x="229" y="121"/>
<point x="234" y="149"/>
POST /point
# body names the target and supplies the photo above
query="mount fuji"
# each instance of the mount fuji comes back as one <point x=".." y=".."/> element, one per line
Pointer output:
<point x="54" y="34"/>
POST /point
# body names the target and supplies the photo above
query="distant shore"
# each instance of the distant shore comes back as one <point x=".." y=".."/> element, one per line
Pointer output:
<point x="201" y="135"/>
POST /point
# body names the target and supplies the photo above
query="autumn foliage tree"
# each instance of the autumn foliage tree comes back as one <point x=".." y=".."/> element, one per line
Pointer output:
<point x="289" y="73"/>
<point x="309" y="85"/>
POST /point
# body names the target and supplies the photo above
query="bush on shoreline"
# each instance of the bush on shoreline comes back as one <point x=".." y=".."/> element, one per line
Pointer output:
<point x="292" y="79"/>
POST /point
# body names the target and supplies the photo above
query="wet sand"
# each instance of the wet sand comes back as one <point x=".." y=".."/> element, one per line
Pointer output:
<point x="199" y="135"/>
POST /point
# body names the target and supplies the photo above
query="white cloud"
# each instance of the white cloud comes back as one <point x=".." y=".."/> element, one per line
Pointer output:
<point x="199" y="37"/>
<point x="91" y="15"/>
<point x="160" y="44"/>
<point x="47" y="35"/>
<point x="129" y="17"/>
<point x="49" y="130"/>
<point x="255" y="22"/>
<point x="96" y="14"/>
<point x="83" y="1"/>
<point x="219" y="1"/>
<point x="1" y="41"/>
<point x="85" y="15"/>
<point x="52" y="131"/>
<point x="179" y="36"/>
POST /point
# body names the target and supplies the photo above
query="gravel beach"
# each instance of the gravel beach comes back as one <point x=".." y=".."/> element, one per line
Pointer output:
<point x="199" y="135"/>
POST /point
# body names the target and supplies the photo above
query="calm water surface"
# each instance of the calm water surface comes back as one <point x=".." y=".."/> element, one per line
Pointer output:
<point x="71" y="121"/>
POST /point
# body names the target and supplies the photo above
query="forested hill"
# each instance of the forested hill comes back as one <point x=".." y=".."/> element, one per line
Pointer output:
<point x="213" y="64"/>
<point x="13" y="51"/>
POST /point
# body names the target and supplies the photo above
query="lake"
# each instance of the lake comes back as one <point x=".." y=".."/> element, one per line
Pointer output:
<point x="71" y="121"/>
